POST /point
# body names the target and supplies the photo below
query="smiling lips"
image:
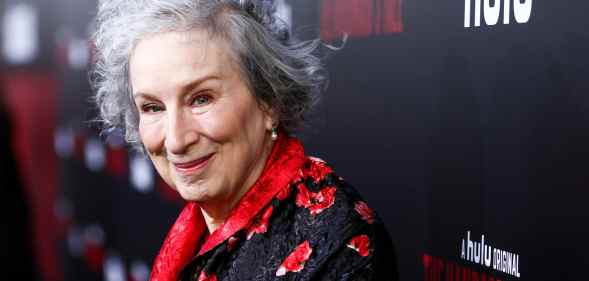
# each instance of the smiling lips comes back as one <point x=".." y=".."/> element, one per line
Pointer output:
<point x="193" y="166"/>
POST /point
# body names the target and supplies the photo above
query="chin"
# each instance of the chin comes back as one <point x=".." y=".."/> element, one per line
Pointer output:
<point x="192" y="197"/>
<point x="193" y="193"/>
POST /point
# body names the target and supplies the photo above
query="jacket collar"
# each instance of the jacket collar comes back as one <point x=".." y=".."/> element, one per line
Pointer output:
<point x="182" y="241"/>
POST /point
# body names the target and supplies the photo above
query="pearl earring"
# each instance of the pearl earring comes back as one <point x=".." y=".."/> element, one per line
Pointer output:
<point x="274" y="133"/>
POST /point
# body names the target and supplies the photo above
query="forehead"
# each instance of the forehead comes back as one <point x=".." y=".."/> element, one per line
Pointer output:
<point x="171" y="59"/>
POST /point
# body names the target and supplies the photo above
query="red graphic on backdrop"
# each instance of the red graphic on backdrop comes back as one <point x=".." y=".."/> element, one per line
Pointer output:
<point x="438" y="269"/>
<point x="360" y="18"/>
<point x="116" y="161"/>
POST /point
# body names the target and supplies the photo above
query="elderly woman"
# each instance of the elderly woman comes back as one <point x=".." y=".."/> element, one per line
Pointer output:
<point x="212" y="91"/>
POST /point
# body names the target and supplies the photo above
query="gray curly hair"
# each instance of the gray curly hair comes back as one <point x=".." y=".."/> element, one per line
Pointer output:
<point x="281" y="72"/>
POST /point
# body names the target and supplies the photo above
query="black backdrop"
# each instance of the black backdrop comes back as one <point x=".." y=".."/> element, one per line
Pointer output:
<point x="448" y="129"/>
<point x="444" y="129"/>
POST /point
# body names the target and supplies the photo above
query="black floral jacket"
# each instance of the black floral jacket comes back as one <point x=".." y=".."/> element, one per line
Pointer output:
<point x="300" y="221"/>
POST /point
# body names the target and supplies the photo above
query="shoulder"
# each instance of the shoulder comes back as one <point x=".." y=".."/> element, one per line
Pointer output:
<point x="345" y="234"/>
<point x="326" y="196"/>
<point x="320" y="189"/>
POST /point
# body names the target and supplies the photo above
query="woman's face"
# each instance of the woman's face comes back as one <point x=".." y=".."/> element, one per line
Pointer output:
<point x="203" y="129"/>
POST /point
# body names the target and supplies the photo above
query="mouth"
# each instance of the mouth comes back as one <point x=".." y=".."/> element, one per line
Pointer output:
<point x="193" y="166"/>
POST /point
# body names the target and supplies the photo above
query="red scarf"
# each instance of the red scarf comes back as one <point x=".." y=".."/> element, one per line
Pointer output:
<point x="181" y="243"/>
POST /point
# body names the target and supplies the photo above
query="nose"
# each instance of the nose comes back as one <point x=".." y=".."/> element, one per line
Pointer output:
<point x="181" y="132"/>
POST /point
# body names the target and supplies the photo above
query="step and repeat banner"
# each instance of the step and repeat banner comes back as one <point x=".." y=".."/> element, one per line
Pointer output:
<point x="464" y="124"/>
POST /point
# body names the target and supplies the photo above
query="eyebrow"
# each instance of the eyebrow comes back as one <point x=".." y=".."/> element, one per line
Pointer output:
<point x="187" y="87"/>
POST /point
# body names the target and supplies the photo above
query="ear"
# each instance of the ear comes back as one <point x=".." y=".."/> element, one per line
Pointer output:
<point x="270" y="116"/>
<point x="269" y="119"/>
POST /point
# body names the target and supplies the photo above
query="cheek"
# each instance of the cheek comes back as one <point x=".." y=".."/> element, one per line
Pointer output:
<point x="151" y="136"/>
<point x="221" y="126"/>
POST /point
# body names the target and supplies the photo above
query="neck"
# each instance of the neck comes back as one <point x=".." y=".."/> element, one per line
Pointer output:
<point x="215" y="213"/>
<point x="213" y="220"/>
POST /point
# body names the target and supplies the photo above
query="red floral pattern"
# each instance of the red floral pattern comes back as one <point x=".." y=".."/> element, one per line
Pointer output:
<point x="361" y="244"/>
<point x="204" y="277"/>
<point x="295" y="262"/>
<point x="365" y="212"/>
<point x="319" y="169"/>
<point x="260" y="225"/>
<point x="316" y="202"/>
<point x="231" y="242"/>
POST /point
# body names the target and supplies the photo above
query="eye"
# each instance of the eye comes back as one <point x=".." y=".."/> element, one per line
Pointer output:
<point x="151" y="108"/>
<point x="201" y="100"/>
